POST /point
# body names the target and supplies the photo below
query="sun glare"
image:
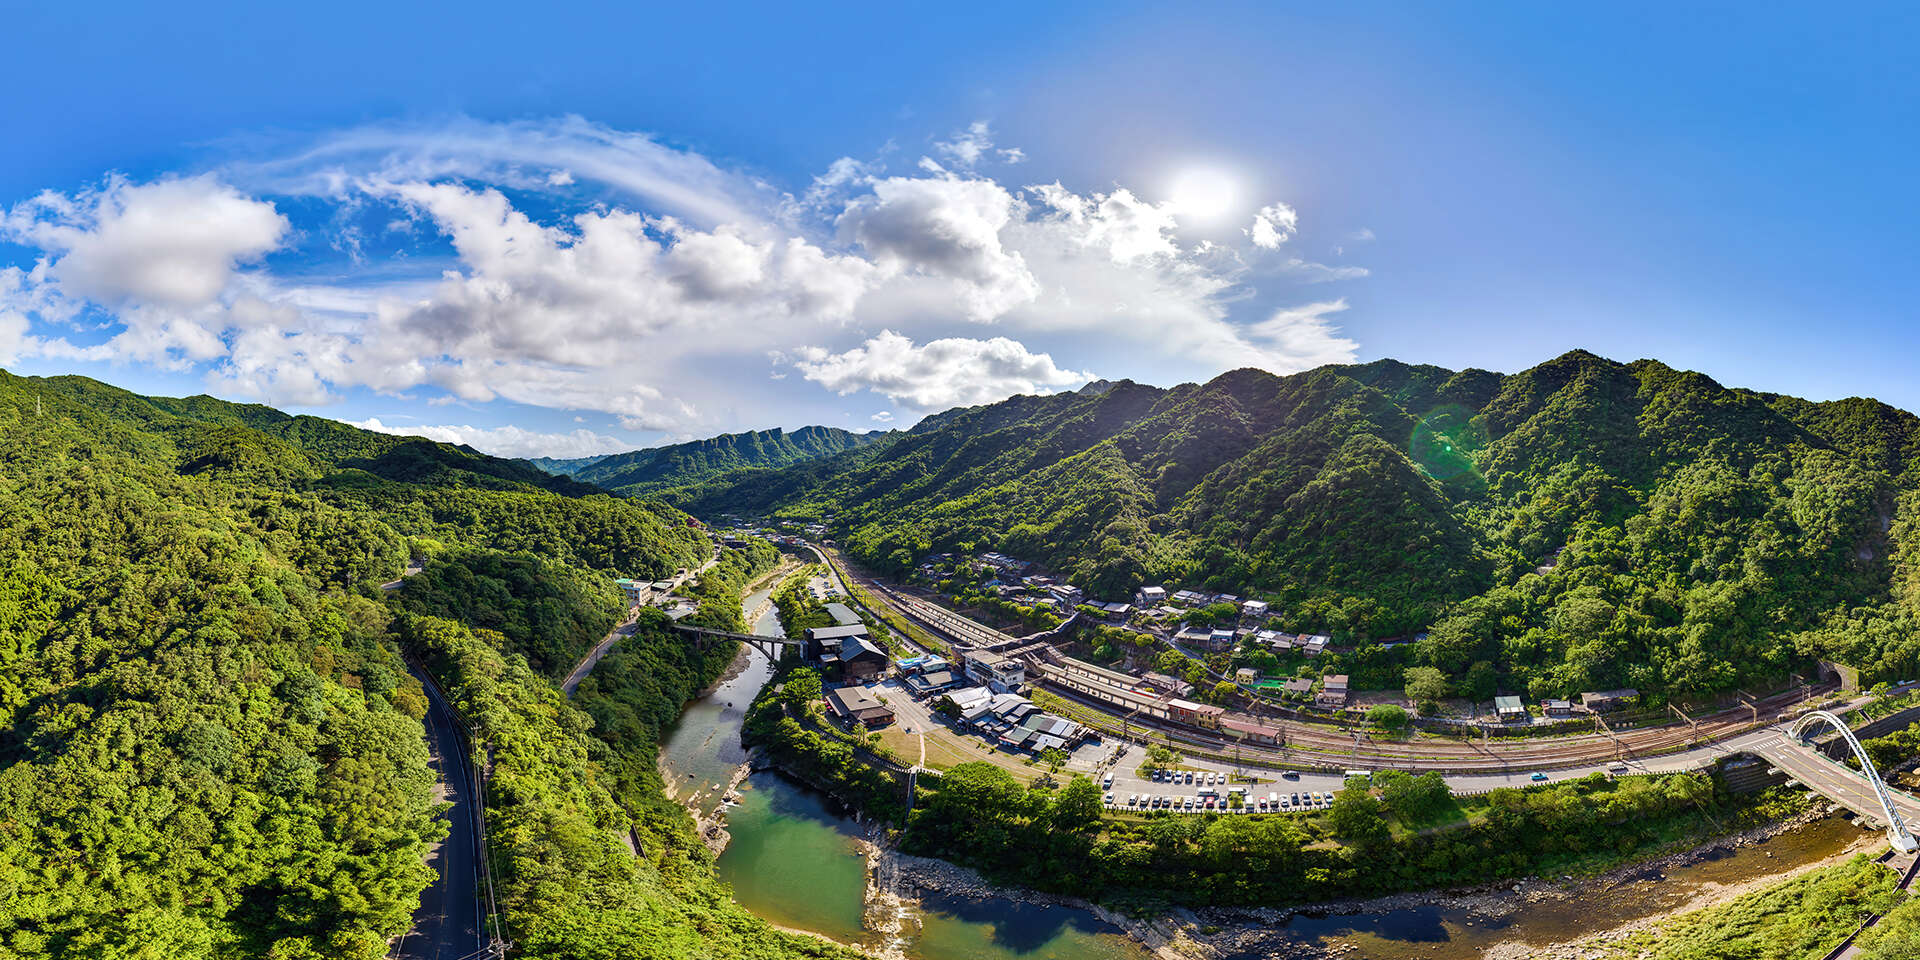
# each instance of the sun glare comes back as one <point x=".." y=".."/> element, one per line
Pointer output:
<point x="1202" y="193"/>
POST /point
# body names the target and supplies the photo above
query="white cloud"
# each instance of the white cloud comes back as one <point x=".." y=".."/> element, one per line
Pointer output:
<point x="635" y="305"/>
<point x="1123" y="225"/>
<point x="955" y="371"/>
<point x="507" y="441"/>
<point x="967" y="146"/>
<point x="170" y="243"/>
<point x="1273" y="225"/>
<point x="518" y="155"/>
<point x="944" y="226"/>
<point x="1305" y="336"/>
<point x="884" y="416"/>
<point x="1308" y="271"/>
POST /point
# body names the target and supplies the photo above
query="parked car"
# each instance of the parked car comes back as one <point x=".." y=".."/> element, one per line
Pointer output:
<point x="1107" y="781"/>
<point x="1290" y="775"/>
<point x="1539" y="778"/>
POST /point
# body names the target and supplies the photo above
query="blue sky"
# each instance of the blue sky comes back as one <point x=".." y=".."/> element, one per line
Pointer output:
<point x="583" y="228"/>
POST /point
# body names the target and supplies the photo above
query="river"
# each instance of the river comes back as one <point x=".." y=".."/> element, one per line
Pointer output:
<point x="795" y="859"/>
<point x="1454" y="933"/>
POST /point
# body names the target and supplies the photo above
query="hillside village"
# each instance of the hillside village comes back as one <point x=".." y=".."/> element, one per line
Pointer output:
<point x="1219" y="662"/>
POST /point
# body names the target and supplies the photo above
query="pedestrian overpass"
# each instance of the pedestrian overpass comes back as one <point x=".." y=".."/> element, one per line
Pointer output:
<point x="1861" y="791"/>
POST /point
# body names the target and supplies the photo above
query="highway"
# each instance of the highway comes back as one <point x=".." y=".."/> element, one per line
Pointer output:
<point x="447" y="925"/>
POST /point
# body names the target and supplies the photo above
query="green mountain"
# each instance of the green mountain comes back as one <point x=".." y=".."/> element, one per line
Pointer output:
<point x="1581" y="524"/>
<point x="565" y="467"/>
<point x="213" y="747"/>
<point x="641" y="472"/>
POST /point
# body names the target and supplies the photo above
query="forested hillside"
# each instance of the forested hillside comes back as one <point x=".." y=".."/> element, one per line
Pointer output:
<point x="1582" y="524"/>
<point x="640" y="472"/>
<point x="213" y="747"/>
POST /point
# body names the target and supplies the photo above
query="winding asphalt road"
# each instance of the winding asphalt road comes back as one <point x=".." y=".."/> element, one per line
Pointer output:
<point x="447" y="924"/>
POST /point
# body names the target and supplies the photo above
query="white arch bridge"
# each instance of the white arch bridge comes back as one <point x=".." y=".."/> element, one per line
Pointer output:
<point x="1863" y="791"/>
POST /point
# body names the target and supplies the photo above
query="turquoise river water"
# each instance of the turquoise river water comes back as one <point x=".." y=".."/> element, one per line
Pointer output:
<point x="794" y="858"/>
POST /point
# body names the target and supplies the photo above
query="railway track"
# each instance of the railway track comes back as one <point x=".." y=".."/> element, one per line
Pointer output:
<point x="1313" y="744"/>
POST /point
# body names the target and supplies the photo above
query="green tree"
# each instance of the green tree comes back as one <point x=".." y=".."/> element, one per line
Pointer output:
<point x="1389" y="716"/>
<point x="1426" y="684"/>
<point x="1078" y="807"/>
<point x="1355" y="818"/>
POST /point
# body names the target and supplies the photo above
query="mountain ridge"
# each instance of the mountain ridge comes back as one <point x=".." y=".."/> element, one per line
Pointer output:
<point x="1726" y="532"/>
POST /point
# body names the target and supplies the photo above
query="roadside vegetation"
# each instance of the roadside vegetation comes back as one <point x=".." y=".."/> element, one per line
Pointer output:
<point x="213" y="746"/>
<point x="551" y="612"/>
<point x="560" y="821"/>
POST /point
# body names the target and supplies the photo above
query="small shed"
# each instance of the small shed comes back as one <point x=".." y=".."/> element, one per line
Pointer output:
<point x="1510" y="709"/>
<point x="1603" y="701"/>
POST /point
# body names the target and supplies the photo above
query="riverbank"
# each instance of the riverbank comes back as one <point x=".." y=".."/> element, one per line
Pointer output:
<point x="897" y="881"/>
<point x="1498" y="921"/>
<point x="1709" y="895"/>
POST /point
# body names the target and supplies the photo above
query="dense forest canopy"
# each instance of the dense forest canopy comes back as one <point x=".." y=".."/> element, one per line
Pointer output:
<point x="640" y="472"/>
<point x="213" y="747"/>
<point x="1581" y="524"/>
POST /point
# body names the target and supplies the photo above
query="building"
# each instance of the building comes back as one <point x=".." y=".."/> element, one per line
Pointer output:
<point x="820" y="638"/>
<point x="1188" y="598"/>
<point x="842" y="614"/>
<point x="1248" y="730"/>
<point x="1150" y="596"/>
<point x="1603" y="701"/>
<point x="1510" y="709"/>
<point x="1220" y="640"/>
<point x="1254" y="609"/>
<point x="1333" y="692"/>
<point x="971" y="702"/>
<point x="859" y="658"/>
<point x="1226" y="598"/>
<point x="924" y="682"/>
<point x="993" y="670"/>
<point x="1299" y="688"/>
<point x="1173" y="686"/>
<point x="634" y="590"/>
<point x="855" y="703"/>
<point x="1557" y="708"/>
<point x="1245" y="676"/>
<point x="1042" y="731"/>
<point x="1313" y="645"/>
<point x="1198" y="714"/>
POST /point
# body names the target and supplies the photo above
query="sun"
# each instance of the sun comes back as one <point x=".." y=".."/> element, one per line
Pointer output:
<point x="1203" y="193"/>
